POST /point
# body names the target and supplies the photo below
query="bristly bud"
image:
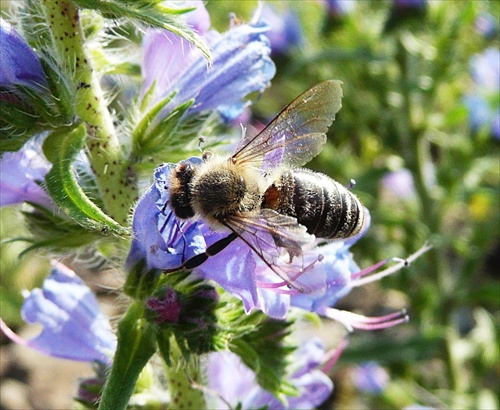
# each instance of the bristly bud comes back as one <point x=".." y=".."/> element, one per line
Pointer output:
<point x="184" y="309"/>
<point x="89" y="389"/>
<point x="35" y="94"/>
<point x="165" y="307"/>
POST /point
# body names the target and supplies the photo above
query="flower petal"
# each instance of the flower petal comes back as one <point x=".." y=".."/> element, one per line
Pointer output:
<point x="19" y="63"/>
<point x="73" y="326"/>
<point x="241" y="65"/>
<point x="22" y="171"/>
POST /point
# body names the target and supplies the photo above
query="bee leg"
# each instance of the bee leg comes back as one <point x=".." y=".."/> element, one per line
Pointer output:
<point x="212" y="250"/>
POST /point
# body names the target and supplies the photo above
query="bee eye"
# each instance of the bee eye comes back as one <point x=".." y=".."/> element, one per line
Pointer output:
<point x="206" y="156"/>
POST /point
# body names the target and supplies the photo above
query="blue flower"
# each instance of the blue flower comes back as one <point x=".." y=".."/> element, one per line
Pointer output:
<point x="161" y="239"/>
<point x="285" y="31"/>
<point x="339" y="266"/>
<point x="19" y="63"/>
<point x="165" y="242"/>
<point x="487" y="25"/>
<point x="338" y="8"/>
<point x="73" y="326"/>
<point x="399" y="184"/>
<point x="410" y="4"/>
<point x="22" y="172"/>
<point x="241" y="65"/>
<point x="370" y="378"/>
<point x="236" y="383"/>
<point x="482" y="102"/>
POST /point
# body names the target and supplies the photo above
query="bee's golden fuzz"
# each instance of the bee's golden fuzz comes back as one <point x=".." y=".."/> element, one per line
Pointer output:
<point x="220" y="188"/>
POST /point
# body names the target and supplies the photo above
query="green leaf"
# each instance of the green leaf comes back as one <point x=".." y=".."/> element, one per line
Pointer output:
<point x="260" y="343"/>
<point x="150" y="135"/>
<point x="61" y="148"/>
<point x="62" y="94"/>
<point x="152" y="13"/>
<point x="247" y="354"/>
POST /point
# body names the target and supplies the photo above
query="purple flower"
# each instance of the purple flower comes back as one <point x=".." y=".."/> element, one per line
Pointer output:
<point x="338" y="8"/>
<point x="339" y="267"/>
<point x="161" y="239"/>
<point x="236" y="383"/>
<point x="19" y="63"/>
<point x="410" y="4"/>
<point x="241" y="65"/>
<point x="21" y="175"/>
<point x="370" y="378"/>
<point x="482" y="102"/>
<point x="485" y="70"/>
<point x="316" y="280"/>
<point x="487" y="25"/>
<point x="73" y="326"/>
<point x="285" y="31"/>
<point x="166" y="307"/>
<point x="399" y="184"/>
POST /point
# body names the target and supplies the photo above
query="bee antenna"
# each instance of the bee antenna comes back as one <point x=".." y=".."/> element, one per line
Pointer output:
<point x="352" y="184"/>
<point x="201" y="140"/>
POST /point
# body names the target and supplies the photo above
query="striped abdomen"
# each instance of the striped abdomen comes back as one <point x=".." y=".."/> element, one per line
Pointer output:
<point x="326" y="208"/>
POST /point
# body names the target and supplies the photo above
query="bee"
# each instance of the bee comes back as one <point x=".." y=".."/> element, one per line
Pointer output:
<point x="260" y="195"/>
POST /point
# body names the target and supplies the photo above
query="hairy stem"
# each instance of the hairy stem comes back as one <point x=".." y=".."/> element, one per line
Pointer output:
<point x="115" y="178"/>
<point x="183" y="377"/>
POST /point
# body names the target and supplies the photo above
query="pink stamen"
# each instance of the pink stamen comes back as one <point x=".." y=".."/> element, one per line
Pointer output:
<point x="333" y="356"/>
<point x="402" y="263"/>
<point x="290" y="282"/>
<point x="354" y="321"/>
<point x="277" y="287"/>
<point x="267" y="285"/>
<point x="370" y="269"/>
<point x="11" y="335"/>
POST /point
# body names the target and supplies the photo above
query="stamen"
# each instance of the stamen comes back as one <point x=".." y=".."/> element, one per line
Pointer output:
<point x="267" y="285"/>
<point x="353" y="321"/>
<point x="333" y="356"/>
<point x="370" y="269"/>
<point x="282" y="288"/>
<point x="292" y="289"/>
<point x="402" y="263"/>
<point x="11" y="335"/>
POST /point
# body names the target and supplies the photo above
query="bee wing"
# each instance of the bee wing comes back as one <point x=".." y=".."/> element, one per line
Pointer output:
<point x="279" y="241"/>
<point x="297" y="134"/>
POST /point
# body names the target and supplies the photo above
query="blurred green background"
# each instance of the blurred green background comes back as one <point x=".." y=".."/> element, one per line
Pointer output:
<point x="424" y="170"/>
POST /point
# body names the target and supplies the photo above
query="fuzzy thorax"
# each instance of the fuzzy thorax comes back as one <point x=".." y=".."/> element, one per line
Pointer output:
<point x="221" y="188"/>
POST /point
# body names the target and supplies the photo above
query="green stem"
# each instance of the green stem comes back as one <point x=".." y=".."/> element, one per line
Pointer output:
<point x="115" y="178"/>
<point x="136" y="345"/>
<point x="183" y="377"/>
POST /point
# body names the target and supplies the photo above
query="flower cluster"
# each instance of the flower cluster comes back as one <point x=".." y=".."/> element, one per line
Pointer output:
<point x="240" y="65"/>
<point x="165" y="242"/>
<point x="170" y="310"/>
